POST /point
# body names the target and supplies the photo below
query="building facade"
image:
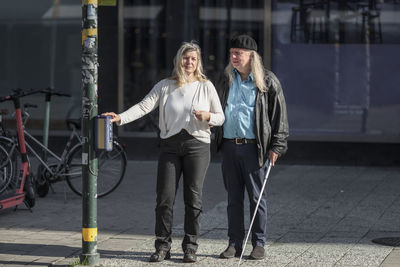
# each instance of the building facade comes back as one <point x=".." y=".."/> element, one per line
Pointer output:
<point x="336" y="60"/>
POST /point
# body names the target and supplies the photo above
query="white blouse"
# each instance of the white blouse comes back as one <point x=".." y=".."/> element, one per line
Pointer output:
<point x="176" y="106"/>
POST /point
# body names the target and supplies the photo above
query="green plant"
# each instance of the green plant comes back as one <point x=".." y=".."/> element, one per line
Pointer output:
<point x="75" y="262"/>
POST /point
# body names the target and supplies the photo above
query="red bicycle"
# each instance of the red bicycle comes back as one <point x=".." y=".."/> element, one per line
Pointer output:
<point x="17" y="188"/>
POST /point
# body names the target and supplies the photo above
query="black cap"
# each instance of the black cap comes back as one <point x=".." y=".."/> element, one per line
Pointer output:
<point x="244" y="41"/>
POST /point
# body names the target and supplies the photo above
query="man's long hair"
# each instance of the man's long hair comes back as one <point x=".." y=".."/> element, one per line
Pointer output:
<point x="178" y="73"/>
<point x="257" y="68"/>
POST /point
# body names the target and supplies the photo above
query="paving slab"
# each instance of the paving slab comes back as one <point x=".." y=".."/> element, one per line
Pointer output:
<point x="317" y="216"/>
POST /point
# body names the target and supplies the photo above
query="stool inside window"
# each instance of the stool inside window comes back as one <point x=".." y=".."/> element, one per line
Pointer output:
<point x="310" y="22"/>
<point x="299" y="29"/>
<point x="371" y="29"/>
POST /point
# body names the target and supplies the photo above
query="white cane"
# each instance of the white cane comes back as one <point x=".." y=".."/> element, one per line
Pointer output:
<point x="255" y="210"/>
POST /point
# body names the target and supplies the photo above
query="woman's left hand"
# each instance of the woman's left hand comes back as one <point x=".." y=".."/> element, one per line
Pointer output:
<point x="202" y="115"/>
<point x="115" y="117"/>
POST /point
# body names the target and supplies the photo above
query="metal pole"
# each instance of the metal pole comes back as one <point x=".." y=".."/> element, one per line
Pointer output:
<point x="89" y="254"/>
<point x="268" y="34"/>
<point x="46" y="123"/>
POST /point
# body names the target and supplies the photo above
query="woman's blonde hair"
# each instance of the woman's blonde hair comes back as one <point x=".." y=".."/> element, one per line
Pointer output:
<point x="178" y="73"/>
<point x="257" y="68"/>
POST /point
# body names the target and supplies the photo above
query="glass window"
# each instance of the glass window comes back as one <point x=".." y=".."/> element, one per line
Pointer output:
<point x="40" y="48"/>
<point x="154" y="30"/>
<point x="335" y="61"/>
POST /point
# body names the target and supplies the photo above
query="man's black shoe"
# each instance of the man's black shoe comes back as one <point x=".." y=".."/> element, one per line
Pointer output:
<point x="160" y="255"/>
<point x="258" y="253"/>
<point x="189" y="255"/>
<point x="230" y="252"/>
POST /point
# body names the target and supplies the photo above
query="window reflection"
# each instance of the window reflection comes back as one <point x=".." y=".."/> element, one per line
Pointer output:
<point x="331" y="56"/>
<point x="153" y="31"/>
<point x="333" y="59"/>
<point x="329" y="21"/>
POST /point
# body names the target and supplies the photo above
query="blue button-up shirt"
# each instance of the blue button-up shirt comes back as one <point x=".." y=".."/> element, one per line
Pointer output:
<point x="239" y="110"/>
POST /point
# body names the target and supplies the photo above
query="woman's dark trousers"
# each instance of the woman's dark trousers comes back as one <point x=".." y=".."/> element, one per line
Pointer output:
<point x="180" y="154"/>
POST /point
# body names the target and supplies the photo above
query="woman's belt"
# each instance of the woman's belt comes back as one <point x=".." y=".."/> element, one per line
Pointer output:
<point x="241" y="141"/>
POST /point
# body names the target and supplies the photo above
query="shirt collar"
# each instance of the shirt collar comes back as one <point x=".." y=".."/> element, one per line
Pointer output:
<point x="250" y="78"/>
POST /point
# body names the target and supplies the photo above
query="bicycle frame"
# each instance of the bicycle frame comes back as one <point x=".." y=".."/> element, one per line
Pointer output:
<point x="60" y="159"/>
<point x="48" y="94"/>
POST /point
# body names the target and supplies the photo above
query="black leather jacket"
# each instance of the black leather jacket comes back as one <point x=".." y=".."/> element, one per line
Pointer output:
<point x="270" y="115"/>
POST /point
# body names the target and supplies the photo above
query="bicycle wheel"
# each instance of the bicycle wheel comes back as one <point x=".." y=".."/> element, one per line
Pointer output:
<point x="111" y="169"/>
<point x="29" y="189"/>
<point x="13" y="153"/>
<point x="42" y="184"/>
<point x="6" y="170"/>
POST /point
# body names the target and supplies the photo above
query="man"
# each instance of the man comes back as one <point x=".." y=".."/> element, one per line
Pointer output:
<point x="255" y="129"/>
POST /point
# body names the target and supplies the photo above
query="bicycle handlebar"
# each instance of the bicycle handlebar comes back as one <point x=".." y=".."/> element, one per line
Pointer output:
<point x="21" y="93"/>
<point x="54" y="92"/>
<point x="29" y="105"/>
<point x="4" y="98"/>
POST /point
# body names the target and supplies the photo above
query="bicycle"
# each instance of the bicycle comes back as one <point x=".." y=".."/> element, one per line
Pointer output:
<point x="68" y="166"/>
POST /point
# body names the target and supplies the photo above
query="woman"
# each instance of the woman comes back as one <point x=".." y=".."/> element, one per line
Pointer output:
<point x="188" y="105"/>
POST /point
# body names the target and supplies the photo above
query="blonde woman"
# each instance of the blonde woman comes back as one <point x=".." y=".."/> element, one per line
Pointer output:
<point x="255" y="129"/>
<point x="188" y="105"/>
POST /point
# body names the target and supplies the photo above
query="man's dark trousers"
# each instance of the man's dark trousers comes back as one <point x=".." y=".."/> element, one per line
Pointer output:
<point x="240" y="170"/>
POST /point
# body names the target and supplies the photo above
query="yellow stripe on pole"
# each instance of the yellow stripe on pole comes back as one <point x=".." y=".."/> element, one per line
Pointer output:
<point x="100" y="2"/>
<point x="89" y="2"/>
<point x="89" y="234"/>
<point x="88" y="32"/>
<point x="107" y="2"/>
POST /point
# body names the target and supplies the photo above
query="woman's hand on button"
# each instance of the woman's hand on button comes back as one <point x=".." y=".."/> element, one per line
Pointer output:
<point x="114" y="117"/>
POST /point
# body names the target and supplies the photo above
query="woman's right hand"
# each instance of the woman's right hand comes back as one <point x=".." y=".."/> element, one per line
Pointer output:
<point x="115" y="117"/>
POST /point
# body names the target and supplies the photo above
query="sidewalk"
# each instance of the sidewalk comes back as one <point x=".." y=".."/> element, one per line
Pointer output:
<point x="318" y="216"/>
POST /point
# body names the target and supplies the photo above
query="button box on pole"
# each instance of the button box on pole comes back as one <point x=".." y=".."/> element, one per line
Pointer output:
<point x="103" y="133"/>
